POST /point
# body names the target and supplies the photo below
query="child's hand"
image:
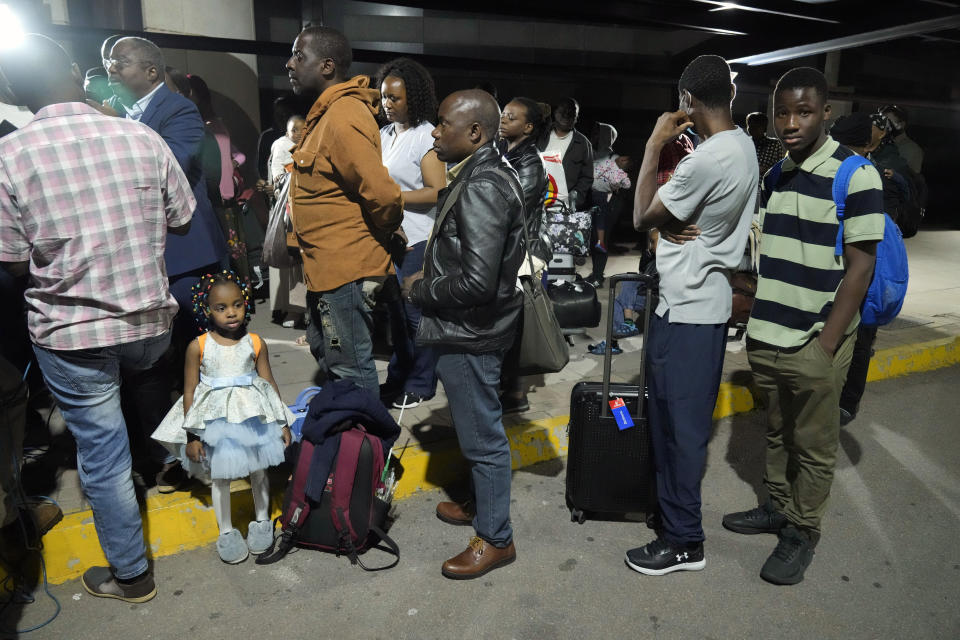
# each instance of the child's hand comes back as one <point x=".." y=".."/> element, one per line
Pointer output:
<point x="195" y="451"/>
<point x="286" y="436"/>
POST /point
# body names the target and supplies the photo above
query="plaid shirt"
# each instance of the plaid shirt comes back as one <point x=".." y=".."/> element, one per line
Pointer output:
<point x="670" y="156"/>
<point x="769" y="153"/>
<point x="87" y="200"/>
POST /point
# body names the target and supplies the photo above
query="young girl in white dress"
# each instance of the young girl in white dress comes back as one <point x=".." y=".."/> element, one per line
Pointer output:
<point x="230" y="422"/>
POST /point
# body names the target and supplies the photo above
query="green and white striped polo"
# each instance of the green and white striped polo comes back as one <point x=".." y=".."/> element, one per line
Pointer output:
<point x="799" y="273"/>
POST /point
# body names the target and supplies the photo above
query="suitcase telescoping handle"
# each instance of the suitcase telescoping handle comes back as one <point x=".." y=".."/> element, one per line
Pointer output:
<point x="613" y="281"/>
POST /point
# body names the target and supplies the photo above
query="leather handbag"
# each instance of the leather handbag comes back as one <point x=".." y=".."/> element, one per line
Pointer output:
<point x="275" y="252"/>
<point x="543" y="347"/>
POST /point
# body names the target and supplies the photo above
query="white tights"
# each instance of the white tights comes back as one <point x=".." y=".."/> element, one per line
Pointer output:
<point x="220" y="493"/>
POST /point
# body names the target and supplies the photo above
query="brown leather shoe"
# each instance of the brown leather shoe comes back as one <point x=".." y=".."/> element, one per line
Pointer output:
<point x="478" y="559"/>
<point x="456" y="513"/>
<point x="45" y="516"/>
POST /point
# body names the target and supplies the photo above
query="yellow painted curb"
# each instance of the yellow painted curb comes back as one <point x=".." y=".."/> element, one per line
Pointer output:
<point x="913" y="358"/>
<point x="181" y="521"/>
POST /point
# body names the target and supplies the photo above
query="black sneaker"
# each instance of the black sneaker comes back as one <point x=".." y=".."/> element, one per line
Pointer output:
<point x="171" y="478"/>
<point x="662" y="556"/>
<point x="846" y="416"/>
<point x="512" y="404"/>
<point x="763" y="519"/>
<point x="789" y="559"/>
<point x="408" y="401"/>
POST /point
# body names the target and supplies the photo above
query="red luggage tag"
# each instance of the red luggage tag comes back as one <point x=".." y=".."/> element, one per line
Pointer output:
<point x="621" y="413"/>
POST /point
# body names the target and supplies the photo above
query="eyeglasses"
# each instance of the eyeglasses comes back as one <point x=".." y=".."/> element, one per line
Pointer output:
<point x="119" y="63"/>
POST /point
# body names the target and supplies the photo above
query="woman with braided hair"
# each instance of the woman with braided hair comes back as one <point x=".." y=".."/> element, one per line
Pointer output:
<point x="410" y="106"/>
<point x="230" y="422"/>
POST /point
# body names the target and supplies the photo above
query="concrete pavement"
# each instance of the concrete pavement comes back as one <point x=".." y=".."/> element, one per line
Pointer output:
<point x="885" y="568"/>
<point x="925" y="336"/>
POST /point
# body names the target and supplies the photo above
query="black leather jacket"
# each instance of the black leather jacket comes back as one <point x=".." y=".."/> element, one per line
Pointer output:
<point x="468" y="293"/>
<point x="533" y="180"/>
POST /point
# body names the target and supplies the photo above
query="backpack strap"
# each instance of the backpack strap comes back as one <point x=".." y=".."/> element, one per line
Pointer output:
<point x="392" y="548"/>
<point x="773" y="177"/>
<point x="346" y="468"/>
<point x="841" y="182"/>
<point x="349" y="455"/>
<point x="295" y="515"/>
<point x="202" y="341"/>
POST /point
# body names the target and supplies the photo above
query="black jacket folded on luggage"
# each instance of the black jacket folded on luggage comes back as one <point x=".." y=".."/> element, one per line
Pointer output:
<point x="339" y="406"/>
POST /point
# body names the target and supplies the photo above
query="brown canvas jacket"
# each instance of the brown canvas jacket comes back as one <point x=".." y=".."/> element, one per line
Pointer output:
<point x="345" y="206"/>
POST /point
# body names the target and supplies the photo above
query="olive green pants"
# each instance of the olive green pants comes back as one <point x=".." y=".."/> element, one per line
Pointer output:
<point x="13" y="416"/>
<point x="801" y="390"/>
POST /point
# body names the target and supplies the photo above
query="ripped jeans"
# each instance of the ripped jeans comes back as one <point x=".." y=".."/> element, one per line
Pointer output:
<point x="344" y="319"/>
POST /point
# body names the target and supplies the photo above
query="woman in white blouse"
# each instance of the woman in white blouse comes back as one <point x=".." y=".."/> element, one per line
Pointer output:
<point x="410" y="106"/>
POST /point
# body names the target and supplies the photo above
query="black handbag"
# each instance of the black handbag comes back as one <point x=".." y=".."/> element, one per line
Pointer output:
<point x="575" y="304"/>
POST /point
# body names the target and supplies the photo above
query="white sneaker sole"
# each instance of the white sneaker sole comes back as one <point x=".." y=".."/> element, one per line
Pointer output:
<point x="686" y="566"/>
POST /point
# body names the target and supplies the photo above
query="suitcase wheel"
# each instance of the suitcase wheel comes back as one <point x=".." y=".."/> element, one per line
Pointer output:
<point x="578" y="516"/>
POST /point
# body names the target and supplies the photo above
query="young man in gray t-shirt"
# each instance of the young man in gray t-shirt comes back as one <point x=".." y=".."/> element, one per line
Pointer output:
<point x="704" y="214"/>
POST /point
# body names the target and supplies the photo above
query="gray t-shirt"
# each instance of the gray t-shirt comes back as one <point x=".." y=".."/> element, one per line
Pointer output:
<point x="715" y="188"/>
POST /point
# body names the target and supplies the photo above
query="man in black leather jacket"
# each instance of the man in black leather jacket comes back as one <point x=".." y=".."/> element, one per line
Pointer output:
<point x="470" y="301"/>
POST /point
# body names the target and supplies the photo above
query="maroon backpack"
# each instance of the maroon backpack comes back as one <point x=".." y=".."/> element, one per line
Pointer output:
<point x="350" y="517"/>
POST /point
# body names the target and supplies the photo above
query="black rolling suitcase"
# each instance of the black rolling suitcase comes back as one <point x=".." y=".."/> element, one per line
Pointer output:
<point x="609" y="470"/>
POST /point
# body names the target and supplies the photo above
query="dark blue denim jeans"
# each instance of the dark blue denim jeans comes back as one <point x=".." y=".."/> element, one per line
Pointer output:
<point x="344" y="319"/>
<point x="412" y="369"/>
<point x="470" y="382"/>
<point x="86" y="386"/>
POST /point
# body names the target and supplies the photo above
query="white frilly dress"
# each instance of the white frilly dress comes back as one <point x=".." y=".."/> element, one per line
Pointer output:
<point x="236" y="413"/>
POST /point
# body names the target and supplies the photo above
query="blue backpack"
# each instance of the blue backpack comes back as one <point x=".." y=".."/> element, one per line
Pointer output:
<point x="891" y="273"/>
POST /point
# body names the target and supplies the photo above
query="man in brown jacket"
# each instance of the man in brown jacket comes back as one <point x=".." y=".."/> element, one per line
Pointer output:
<point x="345" y="205"/>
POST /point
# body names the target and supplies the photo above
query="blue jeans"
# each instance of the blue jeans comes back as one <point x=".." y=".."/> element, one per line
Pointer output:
<point x="344" y="318"/>
<point x="412" y="369"/>
<point x="86" y="386"/>
<point x="684" y="363"/>
<point x="470" y="381"/>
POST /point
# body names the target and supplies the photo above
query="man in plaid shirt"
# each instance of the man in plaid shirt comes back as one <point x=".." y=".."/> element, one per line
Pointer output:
<point x="85" y="205"/>
<point x="769" y="150"/>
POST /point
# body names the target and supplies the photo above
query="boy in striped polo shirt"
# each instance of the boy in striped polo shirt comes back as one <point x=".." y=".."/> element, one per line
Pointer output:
<point x="799" y="340"/>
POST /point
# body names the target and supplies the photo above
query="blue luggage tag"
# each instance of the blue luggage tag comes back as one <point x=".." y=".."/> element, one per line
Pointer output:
<point x="621" y="413"/>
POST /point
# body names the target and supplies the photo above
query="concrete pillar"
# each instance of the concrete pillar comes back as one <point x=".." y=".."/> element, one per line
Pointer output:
<point x="232" y="78"/>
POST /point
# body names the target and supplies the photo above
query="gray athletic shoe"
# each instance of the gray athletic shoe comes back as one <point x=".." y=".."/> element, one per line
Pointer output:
<point x="100" y="582"/>
<point x="259" y="536"/>
<point x="231" y="547"/>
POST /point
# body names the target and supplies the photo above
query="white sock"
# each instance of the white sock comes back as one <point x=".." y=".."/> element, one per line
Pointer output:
<point x="260" y="486"/>
<point x="220" y="494"/>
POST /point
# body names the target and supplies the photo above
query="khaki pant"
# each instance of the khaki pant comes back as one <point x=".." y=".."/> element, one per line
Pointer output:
<point x="13" y="417"/>
<point x="802" y="394"/>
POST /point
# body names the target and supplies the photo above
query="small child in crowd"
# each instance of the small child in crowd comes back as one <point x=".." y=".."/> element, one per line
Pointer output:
<point x="230" y="422"/>
<point x="280" y="155"/>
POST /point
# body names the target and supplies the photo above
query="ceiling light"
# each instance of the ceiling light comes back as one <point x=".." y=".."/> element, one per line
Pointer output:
<point x="11" y="31"/>
<point x="723" y="6"/>
<point x="847" y="42"/>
